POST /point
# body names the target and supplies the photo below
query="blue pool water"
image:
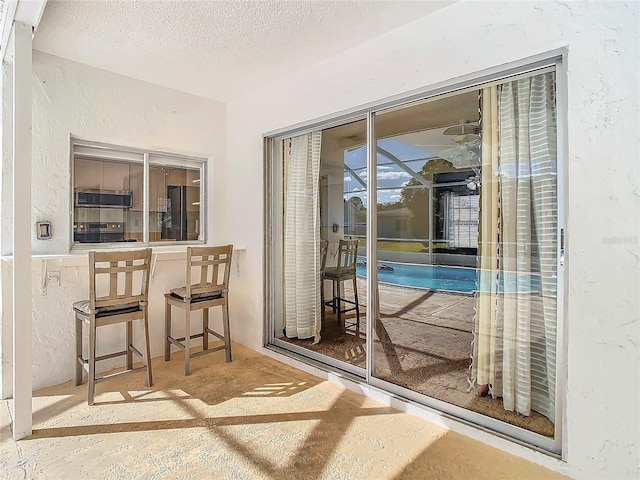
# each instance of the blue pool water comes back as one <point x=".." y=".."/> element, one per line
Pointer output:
<point x="434" y="277"/>
<point x="440" y="277"/>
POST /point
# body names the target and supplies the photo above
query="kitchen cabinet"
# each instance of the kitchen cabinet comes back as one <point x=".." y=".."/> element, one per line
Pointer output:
<point x="193" y="199"/>
<point x="136" y="184"/>
<point x="193" y="190"/>
<point x="176" y="176"/>
<point x="101" y="175"/>
<point x="193" y="178"/>
<point x="115" y="176"/>
<point x="87" y="174"/>
<point x="157" y="187"/>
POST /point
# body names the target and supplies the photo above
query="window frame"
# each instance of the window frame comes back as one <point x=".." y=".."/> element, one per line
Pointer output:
<point x="556" y="60"/>
<point x="146" y="158"/>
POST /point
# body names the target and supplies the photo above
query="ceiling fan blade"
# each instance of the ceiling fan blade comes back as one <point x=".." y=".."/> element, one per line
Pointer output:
<point x="462" y="156"/>
<point x="463" y="129"/>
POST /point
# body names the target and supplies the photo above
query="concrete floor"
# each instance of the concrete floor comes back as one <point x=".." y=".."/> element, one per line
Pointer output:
<point x="255" y="418"/>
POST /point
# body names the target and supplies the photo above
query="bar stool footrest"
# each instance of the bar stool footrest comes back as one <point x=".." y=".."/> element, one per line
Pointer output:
<point x="216" y="334"/>
<point x="209" y="350"/>
<point x="117" y="374"/>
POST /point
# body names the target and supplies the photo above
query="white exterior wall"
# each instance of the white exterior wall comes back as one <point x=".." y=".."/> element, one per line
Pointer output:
<point x="73" y="99"/>
<point x="601" y="432"/>
<point x="6" y="208"/>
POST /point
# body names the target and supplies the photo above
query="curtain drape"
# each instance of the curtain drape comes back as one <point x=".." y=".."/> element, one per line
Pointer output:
<point x="302" y="236"/>
<point x="516" y="320"/>
<point x="486" y="326"/>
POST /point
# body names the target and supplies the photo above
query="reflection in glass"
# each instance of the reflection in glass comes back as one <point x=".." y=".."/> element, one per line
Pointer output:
<point x="466" y="218"/>
<point x="174" y="204"/>
<point x="450" y="200"/>
<point x="324" y="236"/>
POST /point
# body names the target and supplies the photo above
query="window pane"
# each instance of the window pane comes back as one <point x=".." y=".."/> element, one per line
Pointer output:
<point x="323" y="199"/>
<point x="109" y="198"/>
<point x="174" y="206"/>
<point x="467" y="251"/>
<point x="391" y="175"/>
<point x="105" y="201"/>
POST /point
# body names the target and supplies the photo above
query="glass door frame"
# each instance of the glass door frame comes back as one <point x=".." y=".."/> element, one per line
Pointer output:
<point x="273" y="225"/>
<point x="556" y="60"/>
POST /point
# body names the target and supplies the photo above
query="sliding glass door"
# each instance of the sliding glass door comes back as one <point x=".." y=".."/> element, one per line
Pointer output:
<point x="320" y="179"/>
<point x="463" y="258"/>
<point x="427" y="228"/>
<point x="467" y="222"/>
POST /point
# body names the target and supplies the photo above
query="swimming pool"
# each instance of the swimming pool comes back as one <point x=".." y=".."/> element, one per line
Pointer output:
<point x="450" y="279"/>
<point x="433" y="277"/>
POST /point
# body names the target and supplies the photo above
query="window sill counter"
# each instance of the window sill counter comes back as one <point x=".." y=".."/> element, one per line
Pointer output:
<point x="80" y="257"/>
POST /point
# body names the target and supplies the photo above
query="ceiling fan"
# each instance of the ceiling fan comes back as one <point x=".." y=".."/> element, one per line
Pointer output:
<point x="465" y="151"/>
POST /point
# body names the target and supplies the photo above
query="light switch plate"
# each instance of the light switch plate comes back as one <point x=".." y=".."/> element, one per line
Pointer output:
<point x="43" y="230"/>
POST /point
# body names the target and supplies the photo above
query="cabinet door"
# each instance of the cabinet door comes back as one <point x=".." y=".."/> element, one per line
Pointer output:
<point x="193" y="178"/>
<point x="87" y="174"/>
<point x="157" y="189"/>
<point x="136" y="182"/>
<point x="193" y="199"/>
<point x="116" y="176"/>
<point x="176" y="176"/>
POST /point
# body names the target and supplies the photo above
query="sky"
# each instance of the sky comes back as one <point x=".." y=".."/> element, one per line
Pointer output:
<point x="391" y="177"/>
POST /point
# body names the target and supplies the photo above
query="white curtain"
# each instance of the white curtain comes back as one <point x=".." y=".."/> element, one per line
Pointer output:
<point x="302" y="236"/>
<point x="485" y="353"/>
<point x="515" y="342"/>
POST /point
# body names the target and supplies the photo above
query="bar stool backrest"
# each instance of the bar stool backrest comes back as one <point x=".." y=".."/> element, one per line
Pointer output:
<point x="324" y="247"/>
<point x="111" y="279"/>
<point x="347" y="252"/>
<point x="209" y="268"/>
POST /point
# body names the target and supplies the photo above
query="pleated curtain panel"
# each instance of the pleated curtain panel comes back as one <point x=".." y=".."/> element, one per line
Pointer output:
<point x="514" y="349"/>
<point x="302" y="236"/>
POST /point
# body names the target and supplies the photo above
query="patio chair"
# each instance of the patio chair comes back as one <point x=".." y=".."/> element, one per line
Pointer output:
<point x="344" y="271"/>
<point x="212" y="265"/>
<point x="113" y="273"/>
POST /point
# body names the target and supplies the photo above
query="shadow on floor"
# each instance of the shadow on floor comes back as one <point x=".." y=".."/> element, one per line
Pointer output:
<point x="205" y="427"/>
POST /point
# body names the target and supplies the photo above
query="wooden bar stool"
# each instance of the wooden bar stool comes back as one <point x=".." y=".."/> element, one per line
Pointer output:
<point x="344" y="271"/>
<point x="120" y="304"/>
<point x="214" y="265"/>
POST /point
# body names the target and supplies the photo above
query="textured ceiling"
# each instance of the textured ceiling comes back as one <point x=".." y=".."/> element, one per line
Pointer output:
<point x="215" y="49"/>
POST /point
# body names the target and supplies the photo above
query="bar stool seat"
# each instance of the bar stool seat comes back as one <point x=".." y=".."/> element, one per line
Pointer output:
<point x="83" y="307"/>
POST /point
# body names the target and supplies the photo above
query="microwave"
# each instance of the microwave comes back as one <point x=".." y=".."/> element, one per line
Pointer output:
<point x="103" y="198"/>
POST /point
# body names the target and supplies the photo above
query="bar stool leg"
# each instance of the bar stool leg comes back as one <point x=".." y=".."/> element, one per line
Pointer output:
<point x="322" y="313"/>
<point x="225" y="326"/>
<point x="338" y="301"/>
<point x="167" y="330"/>
<point x="187" y="340"/>
<point x="147" y="353"/>
<point x="355" y="295"/>
<point x="79" y="366"/>
<point x="129" y="339"/>
<point x="205" y="327"/>
<point x="333" y="303"/>
<point x="92" y="360"/>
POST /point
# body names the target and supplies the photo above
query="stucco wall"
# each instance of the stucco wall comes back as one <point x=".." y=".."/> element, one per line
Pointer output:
<point x="601" y="394"/>
<point x="6" y="328"/>
<point x="73" y="99"/>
